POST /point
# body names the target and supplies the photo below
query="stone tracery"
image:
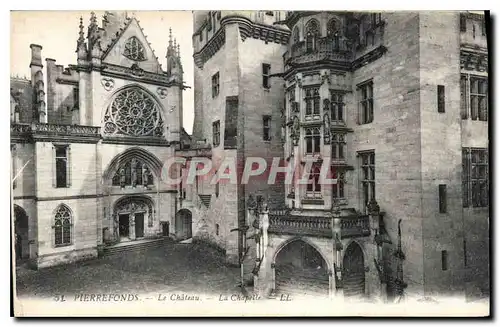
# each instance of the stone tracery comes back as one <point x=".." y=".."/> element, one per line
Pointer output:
<point x="134" y="49"/>
<point x="135" y="113"/>
<point x="133" y="173"/>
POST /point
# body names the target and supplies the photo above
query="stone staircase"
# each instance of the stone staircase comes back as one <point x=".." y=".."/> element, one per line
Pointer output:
<point x="205" y="199"/>
<point x="354" y="285"/>
<point x="140" y="245"/>
<point x="301" y="282"/>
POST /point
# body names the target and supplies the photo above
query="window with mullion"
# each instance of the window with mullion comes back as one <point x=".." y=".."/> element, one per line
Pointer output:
<point x="312" y="100"/>
<point x="478" y="98"/>
<point x="475" y="178"/>
<point x="62" y="226"/>
<point x="314" y="185"/>
<point x="367" y="177"/>
<point x="365" y="93"/>
<point x="338" y="188"/>
<point x="338" y="146"/>
<point x="313" y="139"/>
<point x="61" y="166"/>
<point x="337" y="107"/>
<point x="479" y="177"/>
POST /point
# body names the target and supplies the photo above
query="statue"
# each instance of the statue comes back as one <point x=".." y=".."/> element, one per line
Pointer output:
<point x="296" y="130"/>
<point x="326" y="125"/>
<point x="122" y="177"/>
<point x="145" y="176"/>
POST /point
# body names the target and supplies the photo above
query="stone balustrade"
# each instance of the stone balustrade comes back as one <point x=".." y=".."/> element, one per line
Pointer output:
<point x="281" y="222"/>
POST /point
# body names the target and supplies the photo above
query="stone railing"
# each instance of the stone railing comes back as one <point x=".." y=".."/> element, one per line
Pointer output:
<point x="326" y="48"/>
<point x="355" y="226"/>
<point x="281" y="222"/>
<point x="42" y="129"/>
<point x="65" y="129"/>
<point x="315" y="226"/>
<point x="20" y="128"/>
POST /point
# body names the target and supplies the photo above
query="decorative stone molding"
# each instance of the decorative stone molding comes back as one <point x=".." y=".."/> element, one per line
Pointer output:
<point x="108" y="83"/>
<point x="474" y="59"/>
<point x="248" y="29"/>
<point x="162" y="92"/>
<point x="55" y="132"/>
<point x="369" y="57"/>
<point x="210" y="49"/>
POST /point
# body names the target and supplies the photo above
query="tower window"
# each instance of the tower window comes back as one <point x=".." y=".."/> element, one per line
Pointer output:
<point x="367" y="176"/>
<point x="441" y="98"/>
<point x="365" y="95"/>
<point x="216" y="133"/>
<point x="266" y="122"/>
<point x="463" y="23"/>
<point x="442" y="198"/>
<point x="215" y="85"/>
<point x="444" y="260"/>
<point x="266" y="72"/>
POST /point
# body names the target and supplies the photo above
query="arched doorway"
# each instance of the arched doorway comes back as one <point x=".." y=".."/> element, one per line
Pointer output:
<point x="300" y="270"/>
<point x="183" y="224"/>
<point x="21" y="233"/>
<point x="130" y="217"/>
<point x="354" y="271"/>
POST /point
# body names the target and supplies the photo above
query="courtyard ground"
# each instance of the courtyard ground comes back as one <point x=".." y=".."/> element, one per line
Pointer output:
<point x="172" y="268"/>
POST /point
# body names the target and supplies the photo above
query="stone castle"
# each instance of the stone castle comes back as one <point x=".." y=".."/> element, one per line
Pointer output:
<point x="397" y="102"/>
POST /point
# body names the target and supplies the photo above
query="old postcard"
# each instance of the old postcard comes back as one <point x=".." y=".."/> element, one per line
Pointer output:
<point x="250" y="163"/>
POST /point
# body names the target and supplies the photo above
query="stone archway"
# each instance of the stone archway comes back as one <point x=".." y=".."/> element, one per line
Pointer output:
<point x="183" y="224"/>
<point x="301" y="270"/>
<point x="354" y="271"/>
<point x="21" y="229"/>
<point x="132" y="216"/>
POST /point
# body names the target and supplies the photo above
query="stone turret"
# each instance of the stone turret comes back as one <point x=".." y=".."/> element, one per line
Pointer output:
<point x="39" y="105"/>
<point x="81" y="46"/>
<point x="174" y="66"/>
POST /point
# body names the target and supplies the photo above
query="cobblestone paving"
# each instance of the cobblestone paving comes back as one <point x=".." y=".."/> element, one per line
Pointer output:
<point x="174" y="268"/>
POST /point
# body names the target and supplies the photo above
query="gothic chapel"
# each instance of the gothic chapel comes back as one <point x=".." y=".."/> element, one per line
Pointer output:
<point x="88" y="143"/>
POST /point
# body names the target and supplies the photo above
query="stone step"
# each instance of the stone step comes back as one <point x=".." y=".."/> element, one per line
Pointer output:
<point x="354" y="285"/>
<point x="205" y="199"/>
<point x="135" y="246"/>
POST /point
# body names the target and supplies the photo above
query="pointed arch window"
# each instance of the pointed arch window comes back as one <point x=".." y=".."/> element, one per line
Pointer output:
<point x="333" y="33"/>
<point x="133" y="112"/>
<point x="312" y="34"/>
<point x="63" y="223"/>
<point x="133" y="173"/>
<point x="134" y="49"/>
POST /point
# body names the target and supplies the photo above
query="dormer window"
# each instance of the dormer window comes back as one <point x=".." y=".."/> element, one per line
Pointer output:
<point x="134" y="49"/>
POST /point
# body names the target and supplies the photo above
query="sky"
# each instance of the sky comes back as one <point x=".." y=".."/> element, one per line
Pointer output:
<point x="57" y="32"/>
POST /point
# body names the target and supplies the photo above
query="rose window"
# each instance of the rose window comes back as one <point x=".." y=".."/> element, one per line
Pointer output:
<point x="133" y="112"/>
<point x="134" y="49"/>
